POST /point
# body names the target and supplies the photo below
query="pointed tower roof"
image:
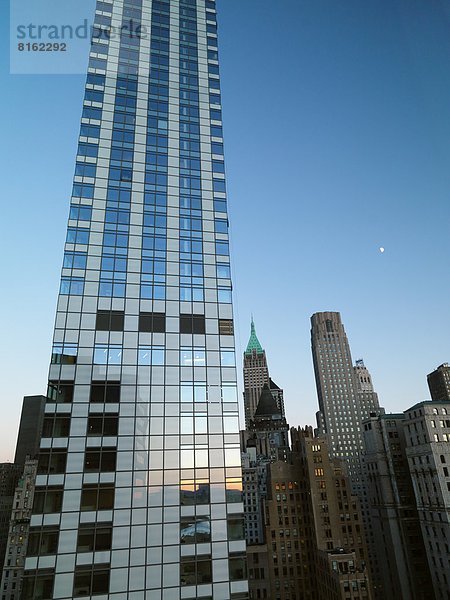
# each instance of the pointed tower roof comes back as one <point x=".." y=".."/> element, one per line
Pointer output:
<point x="267" y="406"/>
<point x="253" y="342"/>
<point x="273" y="385"/>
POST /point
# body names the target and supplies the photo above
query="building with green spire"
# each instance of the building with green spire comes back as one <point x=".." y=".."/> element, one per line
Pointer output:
<point x="256" y="375"/>
<point x="253" y="343"/>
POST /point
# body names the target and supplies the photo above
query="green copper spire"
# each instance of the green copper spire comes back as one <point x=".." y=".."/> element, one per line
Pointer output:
<point x="253" y="342"/>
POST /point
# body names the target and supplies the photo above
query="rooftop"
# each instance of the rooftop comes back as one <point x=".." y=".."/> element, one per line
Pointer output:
<point x="253" y="342"/>
<point x="267" y="405"/>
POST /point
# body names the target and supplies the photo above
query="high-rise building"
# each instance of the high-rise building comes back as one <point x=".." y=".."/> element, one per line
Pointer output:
<point x="140" y="472"/>
<point x="9" y="476"/>
<point x="346" y="397"/>
<point x="439" y="382"/>
<point x="17" y="538"/>
<point x="256" y="376"/>
<point x="339" y="531"/>
<point x="345" y="392"/>
<point x="366" y="395"/>
<point x="30" y="428"/>
<point x="403" y="573"/>
<point x="427" y="432"/>
<point x="290" y="533"/>
<point x="264" y="442"/>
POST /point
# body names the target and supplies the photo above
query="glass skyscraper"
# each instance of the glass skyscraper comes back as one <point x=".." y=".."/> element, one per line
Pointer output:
<point x="138" y="492"/>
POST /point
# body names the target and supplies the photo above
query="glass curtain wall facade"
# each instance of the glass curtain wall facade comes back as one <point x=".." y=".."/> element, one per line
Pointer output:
<point x="138" y="492"/>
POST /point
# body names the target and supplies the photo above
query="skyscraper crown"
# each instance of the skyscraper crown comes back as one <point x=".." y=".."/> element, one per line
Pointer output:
<point x="253" y="342"/>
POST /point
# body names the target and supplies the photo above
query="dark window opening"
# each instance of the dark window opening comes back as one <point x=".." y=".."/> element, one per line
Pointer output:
<point x="60" y="391"/>
<point x="238" y="568"/>
<point x="195" y="572"/>
<point x="103" y="424"/>
<point x="110" y="320"/>
<point x="43" y="541"/>
<point x="100" y="460"/>
<point x="192" y="324"/>
<point x="105" y="391"/>
<point x="152" y="322"/>
<point x="91" y="581"/>
<point x="52" y="461"/>
<point x="38" y="585"/>
<point x="97" y="497"/>
<point x="235" y="528"/>
<point x="55" y="426"/>
<point x="94" y="537"/>
<point x="48" y="500"/>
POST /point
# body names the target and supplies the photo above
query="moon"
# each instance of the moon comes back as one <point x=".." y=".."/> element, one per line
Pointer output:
<point x="381" y="249"/>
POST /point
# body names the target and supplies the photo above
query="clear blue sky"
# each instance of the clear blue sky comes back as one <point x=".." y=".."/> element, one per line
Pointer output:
<point x="337" y="133"/>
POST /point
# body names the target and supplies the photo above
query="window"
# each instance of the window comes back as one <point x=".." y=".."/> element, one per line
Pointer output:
<point x="75" y="260"/>
<point x="55" y="426"/>
<point x="217" y="148"/>
<point x="88" y="150"/>
<point x="60" y="391"/>
<point x="152" y="322"/>
<point x="222" y="248"/>
<point x="38" y="585"/>
<point x="52" y="461"/>
<point x="104" y="424"/>
<point x="227" y="358"/>
<point x="151" y="355"/>
<point x="99" y="460"/>
<point x="233" y="490"/>
<point x="223" y="271"/>
<point x="80" y="213"/>
<point x="94" y="537"/>
<point x="194" y="493"/>
<point x="195" y="530"/>
<point x="191" y="392"/>
<point x="238" y="568"/>
<point x="192" y="324"/>
<point x="71" y="286"/>
<point x="224" y="295"/>
<point x="195" y="572"/>
<point x="48" y="500"/>
<point x="105" y="391"/>
<point x="77" y="235"/>
<point x="64" y="354"/>
<point x="91" y="580"/>
<point x="107" y="354"/>
<point x="97" y="497"/>
<point x="109" y="320"/>
<point x="226" y="327"/>
<point x="43" y="541"/>
<point x="192" y="357"/>
<point x="235" y="528"/>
